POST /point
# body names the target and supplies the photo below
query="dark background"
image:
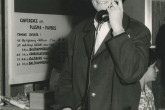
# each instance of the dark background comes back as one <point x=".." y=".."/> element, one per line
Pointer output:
<point x="61" y="7"/>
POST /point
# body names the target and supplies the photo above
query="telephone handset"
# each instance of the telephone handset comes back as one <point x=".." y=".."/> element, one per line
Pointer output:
<point x="102" y="15"/>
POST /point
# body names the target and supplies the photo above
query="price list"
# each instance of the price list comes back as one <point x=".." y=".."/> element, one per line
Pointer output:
<point x="32" y="46"/>
<point x="32" y="38"/>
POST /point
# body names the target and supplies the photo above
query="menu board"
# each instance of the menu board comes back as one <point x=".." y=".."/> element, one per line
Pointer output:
<point x="36" y="36"/>
<point x="30" y="41"/>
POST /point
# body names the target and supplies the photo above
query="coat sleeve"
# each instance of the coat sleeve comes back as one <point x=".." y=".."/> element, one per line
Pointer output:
<point x="129" y="51"/>
<point x="65" y="92"/>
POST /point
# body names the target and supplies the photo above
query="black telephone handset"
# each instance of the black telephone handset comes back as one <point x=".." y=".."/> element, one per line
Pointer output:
<point x="102" y="16"/>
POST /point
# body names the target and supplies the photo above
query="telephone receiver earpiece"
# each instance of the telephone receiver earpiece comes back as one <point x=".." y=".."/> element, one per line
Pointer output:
<point x="102" y="16"/>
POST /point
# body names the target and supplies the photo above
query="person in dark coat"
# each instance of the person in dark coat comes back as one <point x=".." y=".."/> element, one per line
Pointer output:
<point x="161" y="53"/>
<point x="104" y="74"/>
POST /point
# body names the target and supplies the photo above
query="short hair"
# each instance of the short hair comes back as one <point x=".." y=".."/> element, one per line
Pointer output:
<point x="152" y="57"/>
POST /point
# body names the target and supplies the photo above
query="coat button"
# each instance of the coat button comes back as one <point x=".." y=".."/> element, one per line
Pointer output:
<point x="93" y="94"/>
<point x="95" y="66"/>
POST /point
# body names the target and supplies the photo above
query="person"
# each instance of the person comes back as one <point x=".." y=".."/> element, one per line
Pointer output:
<point x="105" y="76"/>
<point x="147" y="97"/>
<point x="160" y="51"/>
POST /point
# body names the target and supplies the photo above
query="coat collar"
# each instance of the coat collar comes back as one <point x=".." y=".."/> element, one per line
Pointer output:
<point x="89" y="36"/>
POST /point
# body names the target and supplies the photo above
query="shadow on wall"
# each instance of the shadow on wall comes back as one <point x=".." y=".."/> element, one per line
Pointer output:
<point x="57" y="54"/>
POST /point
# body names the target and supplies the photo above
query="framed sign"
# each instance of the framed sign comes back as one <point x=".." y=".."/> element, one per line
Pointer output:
<point x="30" y="32"/>
<point x="32" y="36"/>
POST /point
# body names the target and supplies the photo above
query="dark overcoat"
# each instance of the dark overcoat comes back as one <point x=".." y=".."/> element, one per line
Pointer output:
<point x="115" y="70"/>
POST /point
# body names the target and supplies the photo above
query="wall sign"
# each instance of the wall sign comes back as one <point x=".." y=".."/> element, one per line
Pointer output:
<point x="33" y="35"/>
<point x="28" y="40"/>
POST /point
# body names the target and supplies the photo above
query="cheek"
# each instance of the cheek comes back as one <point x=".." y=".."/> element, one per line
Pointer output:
<point x="153" y="76"/>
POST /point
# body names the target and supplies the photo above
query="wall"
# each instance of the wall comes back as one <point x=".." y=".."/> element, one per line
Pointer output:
<point x="1" y="41"/>
<point x="136" y="9"/>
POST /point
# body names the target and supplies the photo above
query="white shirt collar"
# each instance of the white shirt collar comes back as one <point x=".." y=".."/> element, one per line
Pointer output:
<point x="105" y="23"/>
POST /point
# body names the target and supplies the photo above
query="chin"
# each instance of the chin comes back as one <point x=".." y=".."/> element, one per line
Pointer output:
<point x="154" y="79"/>
<point x="101" y="8"/>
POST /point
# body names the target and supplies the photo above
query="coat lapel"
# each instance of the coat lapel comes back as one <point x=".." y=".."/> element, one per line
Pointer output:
<point x="110" y="35"/>
<point x="89" y="37"/>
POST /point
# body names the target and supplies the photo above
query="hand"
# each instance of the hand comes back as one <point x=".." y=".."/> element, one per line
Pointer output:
<point x="66" y="109"/>
<point x="116" y="15"/>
